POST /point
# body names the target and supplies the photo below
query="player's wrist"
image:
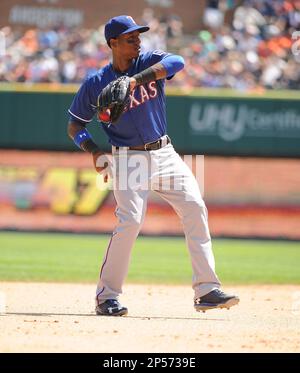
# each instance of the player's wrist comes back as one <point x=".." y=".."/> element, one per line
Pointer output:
<point x="84" y="141"/>
<point x="145" y="76"/>
<point x="90" y="147"/>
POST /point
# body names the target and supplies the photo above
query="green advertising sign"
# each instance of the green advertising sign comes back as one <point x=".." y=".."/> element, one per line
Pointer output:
<point x="231" y="126"/>
<point x="197" y="125"/>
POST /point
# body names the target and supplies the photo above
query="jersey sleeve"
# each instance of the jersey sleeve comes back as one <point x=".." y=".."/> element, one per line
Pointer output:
<point x="153" y="57"/>
<point x="83" y="106"/>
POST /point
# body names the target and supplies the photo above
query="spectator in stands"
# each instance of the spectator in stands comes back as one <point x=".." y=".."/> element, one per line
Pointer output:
<point x="252" y="53"/>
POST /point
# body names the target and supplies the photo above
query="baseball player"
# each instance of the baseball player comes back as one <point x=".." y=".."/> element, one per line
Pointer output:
<point x="141" y="133"/>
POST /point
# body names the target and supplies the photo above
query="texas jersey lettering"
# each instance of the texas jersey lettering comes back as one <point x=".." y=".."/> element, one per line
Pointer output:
<point x="147" y="101"/>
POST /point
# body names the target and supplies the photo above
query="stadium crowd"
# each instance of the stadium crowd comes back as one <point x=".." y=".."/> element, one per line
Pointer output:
<point x="251" y="52"/>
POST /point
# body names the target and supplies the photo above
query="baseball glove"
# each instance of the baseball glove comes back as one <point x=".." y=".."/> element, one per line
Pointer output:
<point x="113" y="99"/>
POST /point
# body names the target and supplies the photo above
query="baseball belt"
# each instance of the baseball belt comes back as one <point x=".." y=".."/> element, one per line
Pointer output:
<point x="155" y="145"/>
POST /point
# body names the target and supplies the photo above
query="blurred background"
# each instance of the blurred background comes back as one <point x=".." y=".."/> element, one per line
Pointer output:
<point x="236" y="102"/>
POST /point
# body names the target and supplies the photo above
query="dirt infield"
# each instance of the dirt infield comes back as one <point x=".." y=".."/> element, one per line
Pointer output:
<point x="43" y="317"/>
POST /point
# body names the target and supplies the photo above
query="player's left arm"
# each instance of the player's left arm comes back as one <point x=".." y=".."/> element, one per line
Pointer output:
<point x="165" y="68"/>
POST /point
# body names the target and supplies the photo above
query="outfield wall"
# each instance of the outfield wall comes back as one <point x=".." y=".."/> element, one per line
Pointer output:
<point x="35" y="117"/>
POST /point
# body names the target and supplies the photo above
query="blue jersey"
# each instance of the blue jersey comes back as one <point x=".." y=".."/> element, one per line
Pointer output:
<point x="144" y="119"/>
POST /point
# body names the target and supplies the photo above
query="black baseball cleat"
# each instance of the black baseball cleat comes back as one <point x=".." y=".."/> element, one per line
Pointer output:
<point x="111" y="307"/>
<point x="215" y="299"/>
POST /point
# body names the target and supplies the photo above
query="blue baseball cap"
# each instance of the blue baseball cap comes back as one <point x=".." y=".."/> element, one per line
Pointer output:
<point x="121" y="25"/>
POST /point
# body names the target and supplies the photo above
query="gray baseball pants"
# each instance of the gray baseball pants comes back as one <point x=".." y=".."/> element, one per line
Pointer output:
<point x="136" y="173"/>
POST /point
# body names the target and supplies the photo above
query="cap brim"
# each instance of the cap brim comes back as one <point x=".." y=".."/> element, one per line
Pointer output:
<point x="136" y="28"/>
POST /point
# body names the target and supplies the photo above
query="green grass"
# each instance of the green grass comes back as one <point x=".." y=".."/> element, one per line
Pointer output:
<point x="77" y="258"/>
